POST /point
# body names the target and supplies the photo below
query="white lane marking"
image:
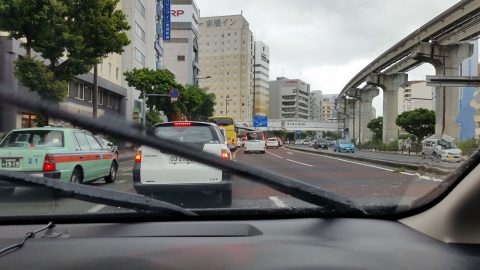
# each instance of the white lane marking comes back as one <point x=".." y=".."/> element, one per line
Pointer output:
<point x="96" y="208"/>
<point x="277" y="202"/>
<point x="274" y="155"/>
<point x="406" y="173"/>
<point x="125" y="170"/>
<point x="120" y="182"/>
<point x="349" y="161"/>
<point x="124" y="174"/>
<point x="300" y="163"/>
<point x="425" y="177"/>
<point x="290" y="153"/>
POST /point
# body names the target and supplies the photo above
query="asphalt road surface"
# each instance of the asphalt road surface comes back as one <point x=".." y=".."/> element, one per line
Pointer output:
<point x="364" y="184"/>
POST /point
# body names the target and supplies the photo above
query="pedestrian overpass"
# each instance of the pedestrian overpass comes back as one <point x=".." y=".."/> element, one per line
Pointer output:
<point x="289" y="125"/>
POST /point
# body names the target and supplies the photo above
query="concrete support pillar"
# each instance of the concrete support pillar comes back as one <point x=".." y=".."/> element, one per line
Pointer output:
<point x="366" y="113"/>
<point x="389" y="84"/>
<point x="447" y="61"/>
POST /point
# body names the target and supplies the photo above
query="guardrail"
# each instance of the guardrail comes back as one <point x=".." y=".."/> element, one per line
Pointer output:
<point x="414" y="149"/>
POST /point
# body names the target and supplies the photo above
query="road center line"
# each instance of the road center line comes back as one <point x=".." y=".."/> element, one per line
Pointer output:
<point x="274" y="155"/>
<point x="96" y="208"/>
<point x="120" y="182"/>
<point x="305" y="164"/>
<point x="277" y="202"/>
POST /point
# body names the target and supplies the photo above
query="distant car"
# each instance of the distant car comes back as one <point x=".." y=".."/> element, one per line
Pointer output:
<point x="157" y="172"/>
<point x="272" y="143"/>
<point x="344" y="146"/>
<point x="112" y="147"/>
<point x="443" y="149"/>
<point x="70" y="155"/>
<point x="255" y="142"/>
<point x="321" y="143"/>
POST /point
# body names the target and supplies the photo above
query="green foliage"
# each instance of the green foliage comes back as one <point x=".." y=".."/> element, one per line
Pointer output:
<point x="153" y="117"/>
<point x="72" y="36"/>
<point x="194" y="102"/>
<point x="468" y="147"/>
<point x="376" y="127"/>
<point x="419" y="122"/>
<point x="280" y="133"/>
<point x="405" y="136"/>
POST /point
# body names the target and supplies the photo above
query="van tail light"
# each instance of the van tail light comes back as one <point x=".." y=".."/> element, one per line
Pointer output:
<point x="226" y="155"/>
<point x="138" y="157"/>
<point x="49" y="164"/>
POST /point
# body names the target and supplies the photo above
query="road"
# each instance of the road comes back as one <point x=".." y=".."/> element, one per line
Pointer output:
<point x="364" y="184"/>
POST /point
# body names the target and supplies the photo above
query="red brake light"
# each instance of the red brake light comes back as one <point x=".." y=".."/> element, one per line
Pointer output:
<point x="225" y="155"/>
<point x="138" y="157"/>
<point x="49" y="164"/>
<point x="182" y="124"/>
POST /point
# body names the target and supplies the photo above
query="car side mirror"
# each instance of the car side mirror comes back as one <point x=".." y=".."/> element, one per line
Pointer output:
<point x="110" y="144"/>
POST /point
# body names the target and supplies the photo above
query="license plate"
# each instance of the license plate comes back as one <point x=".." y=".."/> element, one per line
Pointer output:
<point x="10" y="162"/>
<point x="450" y="157"/>
<point x="174" y="159"/>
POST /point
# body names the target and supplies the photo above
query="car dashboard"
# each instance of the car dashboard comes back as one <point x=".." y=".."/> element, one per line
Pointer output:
<point x="307" y="243"/>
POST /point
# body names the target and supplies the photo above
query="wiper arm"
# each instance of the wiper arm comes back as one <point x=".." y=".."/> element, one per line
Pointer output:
<point x="98" y="195"/>
<point x="117" y="128"/>
<point x="28" y="235"/>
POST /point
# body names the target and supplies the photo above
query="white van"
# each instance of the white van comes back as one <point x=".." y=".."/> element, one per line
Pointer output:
<point x="443" y="149"/>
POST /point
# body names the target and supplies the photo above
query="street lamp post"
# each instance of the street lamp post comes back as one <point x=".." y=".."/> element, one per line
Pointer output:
<point x="227" y="99"/>
<point x="204" y="78"/>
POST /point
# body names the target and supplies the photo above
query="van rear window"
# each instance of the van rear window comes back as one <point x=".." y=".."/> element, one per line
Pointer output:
<point x="34" y="138"/>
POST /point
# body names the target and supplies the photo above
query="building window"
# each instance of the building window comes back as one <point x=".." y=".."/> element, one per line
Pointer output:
<point x="139" y="57"/>
<point x="109" y="69"/>
<point x="117" y="71"/>
<point x="139" y="31"/>
<point x="100" y="96"/>
<point x="140" y="8"/>
<point x="180" y="57"/>
<point x="78" y="91"/>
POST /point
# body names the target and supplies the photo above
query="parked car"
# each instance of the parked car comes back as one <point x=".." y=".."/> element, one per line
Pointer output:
<point x="441" y="149"/>
<point x="157" y="172"/>
<point x="272" y="143"/>
<point x="109" y="145"/>
<point x="344" y="146"/>
<point x="65" y="154"/>
<point x="321" y="143"/>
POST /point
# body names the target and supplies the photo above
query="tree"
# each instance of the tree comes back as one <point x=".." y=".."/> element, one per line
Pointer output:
<point x="333" y="135"/>
<point x="376" y="127"/>
<point x="419" y="122"/>
<point x="195" y="103"/>
<point x="153" y="117"/>
<point x="151" y="81"/>
<point x="70" y="36"/>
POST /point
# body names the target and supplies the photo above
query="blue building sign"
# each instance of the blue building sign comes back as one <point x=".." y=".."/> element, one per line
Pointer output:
<point x="260" y="121"/>
<point x="166" y="25"/>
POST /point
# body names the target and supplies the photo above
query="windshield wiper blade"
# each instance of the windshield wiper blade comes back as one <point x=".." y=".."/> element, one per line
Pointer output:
<point x="119" y="129"/>
<point x="98" y="195"/>
<point x="28" y="235"/>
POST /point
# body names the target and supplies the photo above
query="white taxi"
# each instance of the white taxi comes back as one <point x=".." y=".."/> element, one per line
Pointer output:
<point x="273" y="142"/>
<point x="158" y="172"/>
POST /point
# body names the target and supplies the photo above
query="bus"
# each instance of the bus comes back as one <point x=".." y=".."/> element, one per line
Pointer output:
<point x="228" y="124"/>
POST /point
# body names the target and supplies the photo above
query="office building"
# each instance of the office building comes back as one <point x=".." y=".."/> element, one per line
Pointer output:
<point x="144" y="50"/>
<point x="316" y="100"/>
<point x="261" y="78"/>
<point x="329" y="110"/>
<point x="289" y="99"/>
<point x="414" y="95"/>
<point x="226" y="56"/>
<point x="181" y="51"/>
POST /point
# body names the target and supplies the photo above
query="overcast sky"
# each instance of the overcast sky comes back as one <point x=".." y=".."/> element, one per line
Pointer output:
<point x="327" y="42"/>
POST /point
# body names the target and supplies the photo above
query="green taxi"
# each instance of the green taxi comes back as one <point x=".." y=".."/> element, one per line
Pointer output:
<point x="62" y="153"/>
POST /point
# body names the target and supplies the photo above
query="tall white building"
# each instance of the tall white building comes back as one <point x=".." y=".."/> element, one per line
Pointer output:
<point x="261" y="78"/>
<point x="414" y="95"/>
<point x="141" y="52"/>
<point x="181" y="51"/>
<point x="316" y="100"/>
<point x="289" y="99"/>
<point x="226" y="56"/>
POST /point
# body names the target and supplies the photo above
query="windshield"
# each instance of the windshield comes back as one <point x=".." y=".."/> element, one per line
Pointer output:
<point x="252" y="105"/>
<point x="33" y="139"/>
